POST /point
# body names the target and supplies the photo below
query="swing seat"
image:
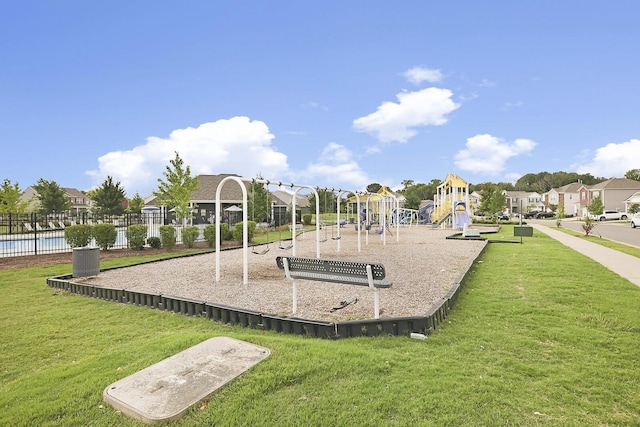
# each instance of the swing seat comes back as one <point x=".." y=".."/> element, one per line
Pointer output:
<point x="285" y="247"/>
<point x="261" y="252"/>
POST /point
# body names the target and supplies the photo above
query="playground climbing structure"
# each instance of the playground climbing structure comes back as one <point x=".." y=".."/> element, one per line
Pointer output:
<point x="451" y="201"/>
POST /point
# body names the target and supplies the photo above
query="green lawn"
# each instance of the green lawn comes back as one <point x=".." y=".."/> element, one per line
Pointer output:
<point x="540" y="335"/>
<point x="629" y="250"/>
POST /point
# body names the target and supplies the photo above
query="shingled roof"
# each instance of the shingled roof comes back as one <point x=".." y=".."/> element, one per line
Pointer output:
<point x="573" y="187"/>
<point x="207" y="185"/>
<point x="283" y="198"/>
<point x="617" y="184"/>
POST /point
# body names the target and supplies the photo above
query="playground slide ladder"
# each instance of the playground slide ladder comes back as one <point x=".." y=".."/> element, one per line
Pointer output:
<point x="441" y="218"/>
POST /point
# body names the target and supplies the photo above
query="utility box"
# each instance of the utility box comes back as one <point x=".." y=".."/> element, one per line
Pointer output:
<point x="519" y="231"/>
<point x="86" y="262"/>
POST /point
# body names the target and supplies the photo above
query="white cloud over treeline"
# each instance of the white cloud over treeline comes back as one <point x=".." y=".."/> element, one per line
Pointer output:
<point x="487" y="154"/>
<point x="236" y="145"/>
<point x="397" y="121"/>
<point x="613" y="160"/>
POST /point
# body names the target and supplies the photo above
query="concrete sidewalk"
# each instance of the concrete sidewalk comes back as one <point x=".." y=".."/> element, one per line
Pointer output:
<point x="625" y="265"/>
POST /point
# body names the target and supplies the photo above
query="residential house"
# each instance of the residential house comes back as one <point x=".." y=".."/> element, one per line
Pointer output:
<point x="613" y="193"/>
<point x="80" y="202"/>
<point x="204" y="201"/>
<point x="204" y="198"/>
<point x="633" y="200"/>
<point x="518" y="202"/>
<point x="281" y="203"/>
<point x="474" y="201"/>
<point x="568" y="196"/>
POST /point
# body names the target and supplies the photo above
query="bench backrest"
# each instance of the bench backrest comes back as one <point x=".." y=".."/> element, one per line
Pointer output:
<point x="333" y="266"/>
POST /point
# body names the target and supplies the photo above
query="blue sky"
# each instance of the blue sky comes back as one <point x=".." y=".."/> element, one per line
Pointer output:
<point x="334" y="94"/>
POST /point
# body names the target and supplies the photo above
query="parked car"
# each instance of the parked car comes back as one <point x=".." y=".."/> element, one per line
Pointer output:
<point x="635" y="220"/>
<point x="609" y="215"/>
<point x="542" y="215"/>
<point x="503" y="217"/>
<point x="530" y="214"/>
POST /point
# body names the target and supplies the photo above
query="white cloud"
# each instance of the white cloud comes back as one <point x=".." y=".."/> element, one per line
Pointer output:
<point x="513" y="177"/>
<point x="315" y="106"/>
<point x="488" y="154"/>
<point x="511" y="105"/>
<point x="486" y="83"/>
<point x="417" y="75"/>
<point x="235" y="145"/>
<point x="394" y="122"/>
<point x="336" y="168"/>
<point x="612" y="160"/>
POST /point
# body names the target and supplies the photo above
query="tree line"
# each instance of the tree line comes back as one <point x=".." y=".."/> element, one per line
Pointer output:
<point x="174" y="191"/>
<point x="177" y="186"/>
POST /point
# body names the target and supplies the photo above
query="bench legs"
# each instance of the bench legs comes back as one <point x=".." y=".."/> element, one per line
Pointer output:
<point x="294" y="290"/>
<point x="295" y="297"/>
<point x="376" y="303"/>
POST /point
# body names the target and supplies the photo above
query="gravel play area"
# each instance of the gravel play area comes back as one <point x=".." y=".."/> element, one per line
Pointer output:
<point x="423" y="266"/>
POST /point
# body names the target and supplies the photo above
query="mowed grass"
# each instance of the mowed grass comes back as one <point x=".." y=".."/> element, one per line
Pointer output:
<point x="541" y="335"/>
<point x="629" y="250"/>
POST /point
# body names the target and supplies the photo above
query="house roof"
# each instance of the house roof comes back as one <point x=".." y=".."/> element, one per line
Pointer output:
<point x="617" y="184"/>
<point x="634" y="198"/>
<point x="208" y="184"/>
<point x="573" y="187"/>
<point x="520" y="194"/>
<point x="283" y="198"/>
<point x="73" y="192"/>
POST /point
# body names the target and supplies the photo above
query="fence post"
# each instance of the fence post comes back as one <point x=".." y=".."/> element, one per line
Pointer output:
<point x="34" y="221"/>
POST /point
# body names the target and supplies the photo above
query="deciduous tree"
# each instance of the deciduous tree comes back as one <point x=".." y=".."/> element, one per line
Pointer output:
<point x="175" y="191"/>
<point x="633" y="174"/>
<point x="595" y="206"/>
<point x="258" y="201"/>
<point x="10" y="198"/>
<point x="136" y="204"/>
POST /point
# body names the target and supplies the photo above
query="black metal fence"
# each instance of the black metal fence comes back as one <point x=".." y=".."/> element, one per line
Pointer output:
<point x="39" y="233"/>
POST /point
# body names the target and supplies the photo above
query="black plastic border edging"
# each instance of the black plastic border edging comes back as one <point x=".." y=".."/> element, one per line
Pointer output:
<point x="291" y="325"/>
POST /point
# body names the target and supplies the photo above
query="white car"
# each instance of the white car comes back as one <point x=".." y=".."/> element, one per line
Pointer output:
<point x="635" y="220"/>
<point x="609" y="215"/>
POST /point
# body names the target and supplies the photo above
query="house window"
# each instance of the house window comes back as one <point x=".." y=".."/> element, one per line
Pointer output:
<point x="596" y="194"/>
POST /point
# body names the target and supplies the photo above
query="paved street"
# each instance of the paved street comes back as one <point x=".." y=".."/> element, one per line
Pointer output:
<point x="612" y="230"/>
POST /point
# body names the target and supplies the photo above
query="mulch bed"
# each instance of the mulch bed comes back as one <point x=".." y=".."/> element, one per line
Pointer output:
<point x="45" y="260"/>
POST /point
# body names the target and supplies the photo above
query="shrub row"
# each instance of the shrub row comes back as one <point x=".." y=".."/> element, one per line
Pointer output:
<point x="105" y="235"/>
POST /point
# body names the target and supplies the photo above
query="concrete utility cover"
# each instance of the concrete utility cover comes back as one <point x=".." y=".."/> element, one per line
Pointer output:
<point x="166" y="390"/>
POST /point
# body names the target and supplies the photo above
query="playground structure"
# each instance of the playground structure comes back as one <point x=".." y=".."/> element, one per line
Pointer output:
<point x="450" y="207"/>
<point x="242" y="182"/>
<point x="381" y="209"/>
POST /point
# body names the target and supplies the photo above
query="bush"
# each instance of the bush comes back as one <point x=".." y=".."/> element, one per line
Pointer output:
<point x="588" y="226"/>
<point x="228" y="235"/>
<point x="189" y="235"/>
<point x="237" y="231"/>
<point x="154" y="242"/>
<point x="136" y="236"/>
<point x="306" y="219"/>
<point x="210" y="234"/>
<point x="78" y="236"/>
<point x="105" y="235"/>
<point x="168" y="236"/>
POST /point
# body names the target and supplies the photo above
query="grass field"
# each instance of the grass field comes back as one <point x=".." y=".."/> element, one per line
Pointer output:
<point x="540" y="335"/>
